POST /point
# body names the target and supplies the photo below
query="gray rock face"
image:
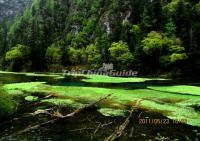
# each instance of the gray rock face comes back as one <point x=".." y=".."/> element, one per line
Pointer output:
<point x="10" y="8"/>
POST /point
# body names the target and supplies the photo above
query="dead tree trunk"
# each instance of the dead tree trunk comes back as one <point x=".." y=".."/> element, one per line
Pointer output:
<point x="120" y="130"/>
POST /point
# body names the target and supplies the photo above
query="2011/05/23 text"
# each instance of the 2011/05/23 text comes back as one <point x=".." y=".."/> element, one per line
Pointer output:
<point x="162" y="121"/>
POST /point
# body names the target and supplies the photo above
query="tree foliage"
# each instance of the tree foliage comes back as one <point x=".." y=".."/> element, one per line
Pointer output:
<point x="150" y="36"/>
<point x="94" y="56"/>
<point x="153" y="43"/>
<point x="121" y="54"/>
<point x="19" y="52"/>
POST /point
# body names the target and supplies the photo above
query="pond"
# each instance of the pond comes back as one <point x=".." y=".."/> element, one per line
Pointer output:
<point x="161" y="99"/>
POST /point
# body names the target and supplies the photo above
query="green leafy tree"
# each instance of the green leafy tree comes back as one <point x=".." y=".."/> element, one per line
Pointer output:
<point x="17" y="53"/>
<point x="54" y="56"/>
<point x="152" y="46"/>
<point x="80" y="40"/>
<point x="136" y="35"/>
<point x="94" y="56"/>
<point x="121" y="54"/>
<point x="163" y="51"/>
<point x="146" y="20"/>
<point x="171" y="8"/>
<point x="197" y="8"/>
<point x="153" y="43"/>
<point x="170" y="28"/>
<point x="18" y="57"/>
<point x="77" y="56"/>
<point x="175" y="52"/>
<point x="103" y="43"/>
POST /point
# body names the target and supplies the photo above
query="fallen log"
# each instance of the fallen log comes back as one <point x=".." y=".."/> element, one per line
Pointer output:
<point x="120" y="130"/>
<point x="77" y="111"/>
<point x="46" y="111"/>
<point x="40" y="112"/>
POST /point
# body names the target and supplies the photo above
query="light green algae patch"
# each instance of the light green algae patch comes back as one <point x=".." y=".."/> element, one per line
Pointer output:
<point x="15" y="92"/>
<point x="31" y="98"/>
<point x="64" y="102"/>
<point x="33" y="74"/>
<point x="109" y="79"/>
<point x="111" y="112"/>
<point x="169" y="104"/>
<point x="174" y="111"/>
<point x="183" y="89"/>
<point x="41" y="75"/>
<point x="29" y="87"/>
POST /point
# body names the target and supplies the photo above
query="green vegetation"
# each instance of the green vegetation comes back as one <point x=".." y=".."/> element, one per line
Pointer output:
<point x="163" y="51"/>
<point x="16" y="56"/>
<point x="7" y="104"/>
<point x="94" y="56"/>
<point x="28" y="87"/>
<point x="152" y="37"/>
<point x="175" y="102"/>
<point x="182" y="89"/>
<point x="108" y="79"/>
<point x="54" y="57"/>
<point x="121" y="54"/>
<point x="31" y="98"/>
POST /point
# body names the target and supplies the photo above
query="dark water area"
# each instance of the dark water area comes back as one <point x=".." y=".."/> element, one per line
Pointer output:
<point x="83" y="127"/>
<point x="76" y="81"/>
<point x="90" y="125"/>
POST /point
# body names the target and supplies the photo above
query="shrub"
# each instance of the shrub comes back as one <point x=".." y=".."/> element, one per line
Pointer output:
<point x="7" y="104"/>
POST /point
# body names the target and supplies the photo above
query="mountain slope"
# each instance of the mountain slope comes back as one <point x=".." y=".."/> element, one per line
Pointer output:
<point x="10" y="8"/>
<point x="150" y="36"/>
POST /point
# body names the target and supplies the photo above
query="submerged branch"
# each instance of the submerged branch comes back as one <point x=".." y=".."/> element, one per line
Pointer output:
<point x="60" y="117"/>
<point x="120" y="130"/>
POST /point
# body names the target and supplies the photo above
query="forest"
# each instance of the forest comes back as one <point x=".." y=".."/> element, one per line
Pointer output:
<point x="41" y="41"/>
<point x="151" y="36"/>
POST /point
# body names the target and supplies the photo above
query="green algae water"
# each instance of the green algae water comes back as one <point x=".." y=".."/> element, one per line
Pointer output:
<point x="162" y="100"/>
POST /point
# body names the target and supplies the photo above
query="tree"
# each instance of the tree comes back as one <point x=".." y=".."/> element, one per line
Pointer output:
<point x="152" y="46"/>
<point x="197" y="8"/>
<point x="136" y="35"/>
<point x="174" y="54"/>
<point x="121" y="54"/>
<point x="153" y="43"/>
<point x="54" y="55"/>
<point x="94" y="56"/>
<point x="77" y="56"/>
<point x="18" y="58"/>
<point x="170" y="28"/>
<point x="1" y="40"/>
<point x="103" y="43"/>
<point x="80" y="40"/>
<point x="146" y="20"/>
<point x="164" y="52"/>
